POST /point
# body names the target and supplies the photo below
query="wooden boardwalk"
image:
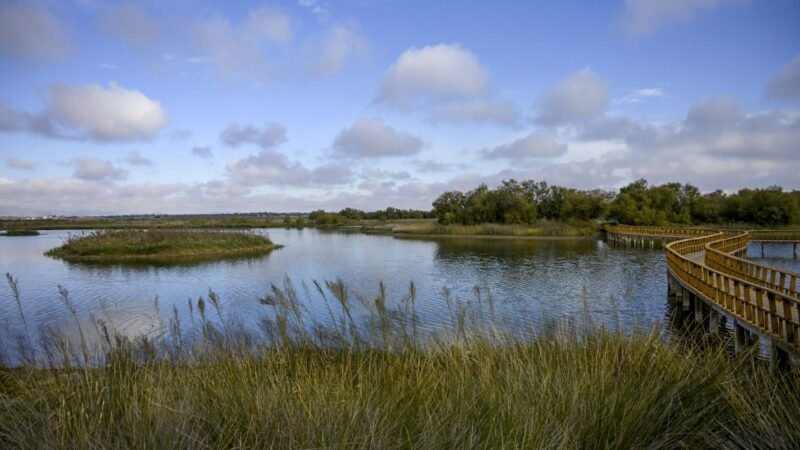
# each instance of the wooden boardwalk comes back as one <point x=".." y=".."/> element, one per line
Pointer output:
<point x="709" y="274"/>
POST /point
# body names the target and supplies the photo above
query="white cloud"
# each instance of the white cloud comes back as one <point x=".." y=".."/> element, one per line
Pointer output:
<point x="534" y="145"/>
<point x="372" y="138"/>
<point x="715" y="146"/>
<point x="135" y="158"/>
<point x="436" y="72"/>
<point x="271" y="168"/>
<point x="32" y="32"/>
<point x="21" y="164"/>
<point x="130" y="22"/>
<point x="112" y="113"/>
<point x="203" y="152"/>
<point x="578" y="97"/>
<point x="481" y="110"/>
<point x="90" y="112"/>
<point x="643" y="17"/>
<point x="15" y="120"/>
<point x="785" y="84"/>
<point x="341" y="42"/>
<point x="241" y="49"/>
<point x="271" y="135"/>
<point x="93" y="169"/>
<point x="713" y="114"/>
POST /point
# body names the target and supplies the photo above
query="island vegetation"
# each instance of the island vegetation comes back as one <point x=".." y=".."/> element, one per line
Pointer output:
<point x="159" y="244"/>
<point x="378" y="383"/>
<point x="20" y="232"/>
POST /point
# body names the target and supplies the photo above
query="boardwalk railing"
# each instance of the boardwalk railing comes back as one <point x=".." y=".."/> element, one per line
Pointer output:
<point x="760" y="298"/>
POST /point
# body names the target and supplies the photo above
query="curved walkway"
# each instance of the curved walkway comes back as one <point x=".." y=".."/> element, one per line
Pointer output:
<point x="708" y="267"/>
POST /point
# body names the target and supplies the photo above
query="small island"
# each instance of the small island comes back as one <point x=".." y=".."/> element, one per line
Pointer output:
<point x="20" y="232"/>
<point x="160" y="245"/>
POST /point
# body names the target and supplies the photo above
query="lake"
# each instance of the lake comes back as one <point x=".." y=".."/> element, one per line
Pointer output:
<point x="529" y="281"/>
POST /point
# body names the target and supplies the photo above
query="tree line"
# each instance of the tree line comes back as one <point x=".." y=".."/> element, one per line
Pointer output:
<point x="638" y="203"/>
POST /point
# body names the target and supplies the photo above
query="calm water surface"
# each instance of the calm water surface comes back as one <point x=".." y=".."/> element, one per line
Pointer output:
<point x="528" y="280"/>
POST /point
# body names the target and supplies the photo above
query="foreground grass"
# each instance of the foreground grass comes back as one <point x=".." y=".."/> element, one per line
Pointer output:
<point x="372" y="383"/>
<point x="153" y="244"/>
<point x="539" y="229"/>
<point x="604" y="391"/>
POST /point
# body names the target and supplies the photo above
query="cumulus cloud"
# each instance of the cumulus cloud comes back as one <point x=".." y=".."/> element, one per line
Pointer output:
<point x="480" y="111"/>
<point x="16" y="120"/>
<point x="93" y="169"/>
<point x="21" y="164"/>
<point x="713" y="114"/>
<point x="578" y="97"/>
<point x="131" y="23"/>
<point x="644" y="17"/>
<point x="371" y="138"/>
<point x="715" y="146"/>
<point x="110" y="113"/>
<point x="135" y="158"/>
<point x="241" y="49"/>
<point x="534" y="145"/>
<point x="341" y="43"/>
<point x="785" y="84"/>
<point x="203" y="152"/>
<point x="270" y="135"/>
<point x="433" y="72"/>
<point x="30" y="31"/>
<point x="272" y="168"/>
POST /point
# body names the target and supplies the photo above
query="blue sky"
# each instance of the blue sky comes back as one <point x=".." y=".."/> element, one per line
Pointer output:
<point x="193" y="107"/>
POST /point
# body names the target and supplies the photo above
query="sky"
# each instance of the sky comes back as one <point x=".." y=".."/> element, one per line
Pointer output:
<point x="291" y="106"/>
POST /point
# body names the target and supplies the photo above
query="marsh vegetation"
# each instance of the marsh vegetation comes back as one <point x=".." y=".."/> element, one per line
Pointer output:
<point x="159" y="244"/>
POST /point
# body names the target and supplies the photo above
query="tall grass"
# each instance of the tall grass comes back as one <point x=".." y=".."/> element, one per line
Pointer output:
<point x="365" y="378"/>
<point x="146" y="244"/>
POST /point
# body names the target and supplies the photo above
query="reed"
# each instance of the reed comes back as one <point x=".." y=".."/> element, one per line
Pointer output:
<point x="366" y="378"/>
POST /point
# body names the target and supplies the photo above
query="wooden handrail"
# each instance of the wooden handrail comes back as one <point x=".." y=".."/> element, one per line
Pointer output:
<point x="764" y="297"/>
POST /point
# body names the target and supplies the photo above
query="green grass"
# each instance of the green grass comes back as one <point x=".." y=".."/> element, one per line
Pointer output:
<point x="375" y="384"/>
<point x="20" y="232"/>
<point x="158" y="244"/>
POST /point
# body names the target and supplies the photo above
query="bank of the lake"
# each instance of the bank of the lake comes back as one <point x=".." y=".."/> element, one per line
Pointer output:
<point x="159" y="244"/>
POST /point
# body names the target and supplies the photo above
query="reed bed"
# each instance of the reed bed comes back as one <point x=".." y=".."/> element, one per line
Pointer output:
<point x="368" y="378"/>
<point x="157" y="244"/>
<point x="541" y="229"/>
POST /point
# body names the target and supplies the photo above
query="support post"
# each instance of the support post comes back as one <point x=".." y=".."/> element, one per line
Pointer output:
<point x="778" y="358"/>
<point x="698" y="309"/>
<point x="740" y="337"/>
<point x="713" y="322"/>
<point x="763" y="254"/>
<point x="685" y="297"/>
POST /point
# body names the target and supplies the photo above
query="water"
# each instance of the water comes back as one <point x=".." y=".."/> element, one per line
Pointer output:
<point x="529" y="281"/>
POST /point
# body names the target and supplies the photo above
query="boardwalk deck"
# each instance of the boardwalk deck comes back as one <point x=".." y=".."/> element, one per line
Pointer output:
<point x="707" y="272"/>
